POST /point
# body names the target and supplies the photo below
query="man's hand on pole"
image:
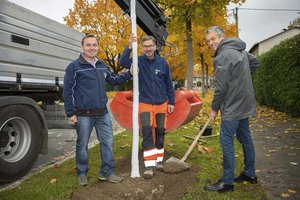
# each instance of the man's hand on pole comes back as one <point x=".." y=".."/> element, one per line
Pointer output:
<point x="131" y="70"/>
<point x="132" y="39"/>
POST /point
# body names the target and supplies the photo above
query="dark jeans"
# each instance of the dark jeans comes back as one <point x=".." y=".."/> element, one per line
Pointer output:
<point x="241" y="128"/>
<point x="104" y="132"/>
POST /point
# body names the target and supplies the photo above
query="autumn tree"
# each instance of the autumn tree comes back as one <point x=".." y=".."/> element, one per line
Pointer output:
<point x="188" y="20"/>
<point x="106" y="20"/>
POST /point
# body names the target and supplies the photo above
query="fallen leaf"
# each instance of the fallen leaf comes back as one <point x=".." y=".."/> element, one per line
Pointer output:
<point x="285" y="195"/>
<point x="126" y="145"/>
<point x="208" y="150"/>
<point x="267" y="155"/>
<point x="201" y="149"/>
<point x="293" y="163"/>
<point x="292" y="130"/>
<point x="59" y="158"/>
<point x="273" y="150"/>
<point x="291" y="191"/>
<point x="170" y="144"/>
<point x="295" y="148"/>
<point x="183" y="140"/>
<point x="53" y="180"/>
<point x="257" y="171"/>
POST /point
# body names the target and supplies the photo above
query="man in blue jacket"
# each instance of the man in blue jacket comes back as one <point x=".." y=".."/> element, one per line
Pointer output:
<point x="85" y="104"/>
<point x="234" y="98"/>
<point x="156" y="97"/>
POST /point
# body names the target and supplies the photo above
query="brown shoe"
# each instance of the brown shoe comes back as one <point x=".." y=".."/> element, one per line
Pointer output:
<point x="148" y="173"/>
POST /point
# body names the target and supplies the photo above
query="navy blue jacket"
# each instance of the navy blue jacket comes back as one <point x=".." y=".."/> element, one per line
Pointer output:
<point x="85" y="87"/>
<point x="155" y="82"/>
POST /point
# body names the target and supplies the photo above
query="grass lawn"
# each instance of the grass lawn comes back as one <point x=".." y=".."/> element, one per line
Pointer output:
<point x="59" y="182"/>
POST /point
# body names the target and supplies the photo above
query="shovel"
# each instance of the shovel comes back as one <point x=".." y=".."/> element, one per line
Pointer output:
<point x="175" y="165"/>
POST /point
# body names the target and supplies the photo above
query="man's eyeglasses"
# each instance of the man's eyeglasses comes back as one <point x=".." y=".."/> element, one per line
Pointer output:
<point x="148" y="46"/>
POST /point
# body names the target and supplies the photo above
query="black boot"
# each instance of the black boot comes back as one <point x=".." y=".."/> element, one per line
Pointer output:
<point x="219" y="186"/>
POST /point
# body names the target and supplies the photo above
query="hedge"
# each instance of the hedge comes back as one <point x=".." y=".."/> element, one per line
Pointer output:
<point x="277" y="80"/>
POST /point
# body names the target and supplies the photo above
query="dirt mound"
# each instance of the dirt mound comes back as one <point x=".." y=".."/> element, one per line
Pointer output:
<point x="163" y="186"/>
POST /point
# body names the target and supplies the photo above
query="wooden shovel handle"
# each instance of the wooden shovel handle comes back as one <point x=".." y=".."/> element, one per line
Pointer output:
<point x="195" y="141"/>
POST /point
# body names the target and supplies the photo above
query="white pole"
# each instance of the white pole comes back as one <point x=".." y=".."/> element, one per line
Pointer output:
<point x="135" y="112"/>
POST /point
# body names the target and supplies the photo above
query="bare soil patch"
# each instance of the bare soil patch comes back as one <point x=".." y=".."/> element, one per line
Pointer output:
<point x="163" y="186"/>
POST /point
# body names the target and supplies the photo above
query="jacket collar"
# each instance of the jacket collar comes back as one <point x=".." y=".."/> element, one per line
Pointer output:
<point x="85" y="62"/>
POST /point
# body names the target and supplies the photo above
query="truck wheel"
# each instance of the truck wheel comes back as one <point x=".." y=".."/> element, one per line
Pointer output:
<point x="20" y="141"/>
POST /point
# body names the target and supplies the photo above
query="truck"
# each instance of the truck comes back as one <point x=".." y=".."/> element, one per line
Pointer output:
<point x="34" y="52"/>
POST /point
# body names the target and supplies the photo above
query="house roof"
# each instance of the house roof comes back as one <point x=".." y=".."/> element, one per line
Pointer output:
<point x="284" y="30"/>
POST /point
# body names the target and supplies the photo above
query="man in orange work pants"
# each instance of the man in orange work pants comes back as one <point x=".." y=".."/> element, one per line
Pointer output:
<point x="156" y="97"/>
<point x="153" y="117"/>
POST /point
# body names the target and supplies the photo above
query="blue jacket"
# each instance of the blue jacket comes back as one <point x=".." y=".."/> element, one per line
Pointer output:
<point x="84" y="90"/>
<point x="155" y="82"/>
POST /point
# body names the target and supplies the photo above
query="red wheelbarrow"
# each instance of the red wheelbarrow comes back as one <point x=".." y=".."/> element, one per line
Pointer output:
<point x="187" y="107"/>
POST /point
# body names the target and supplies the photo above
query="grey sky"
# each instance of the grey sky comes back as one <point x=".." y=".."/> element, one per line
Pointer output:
<point x="254" y="26"/>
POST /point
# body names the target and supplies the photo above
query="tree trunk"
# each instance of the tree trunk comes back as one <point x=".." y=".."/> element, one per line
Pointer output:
<point x="203" y="74"/>
<point x="189" y="44"/>
<point x="206" y="77"/>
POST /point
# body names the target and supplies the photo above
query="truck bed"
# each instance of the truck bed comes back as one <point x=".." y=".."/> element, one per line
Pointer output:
<point x="34" y="50"/>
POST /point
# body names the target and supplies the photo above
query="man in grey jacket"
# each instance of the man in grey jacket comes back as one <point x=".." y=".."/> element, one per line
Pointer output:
<point x="234" y="97"/>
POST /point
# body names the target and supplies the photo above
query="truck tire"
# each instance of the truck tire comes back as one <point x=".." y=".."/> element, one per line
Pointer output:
<point x="20" y="141"/>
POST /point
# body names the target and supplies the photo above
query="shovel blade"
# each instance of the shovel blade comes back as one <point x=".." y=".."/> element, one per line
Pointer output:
<point x="174" y="165"/>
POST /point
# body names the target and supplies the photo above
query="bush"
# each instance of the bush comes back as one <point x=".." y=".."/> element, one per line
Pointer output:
<point x="277" y="80"/>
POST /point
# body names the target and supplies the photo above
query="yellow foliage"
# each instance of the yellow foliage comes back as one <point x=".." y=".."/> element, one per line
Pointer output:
<point x="266" y="112"/>
<point x="202" y="14"/>
<point x="106" y="20"/>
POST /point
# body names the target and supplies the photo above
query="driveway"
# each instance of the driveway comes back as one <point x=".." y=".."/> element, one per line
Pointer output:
<point x="277" y="145"/>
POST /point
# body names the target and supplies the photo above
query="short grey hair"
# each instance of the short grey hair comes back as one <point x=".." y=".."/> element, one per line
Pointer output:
<point x="217" y="29"/>
<point x="148" y="37"/>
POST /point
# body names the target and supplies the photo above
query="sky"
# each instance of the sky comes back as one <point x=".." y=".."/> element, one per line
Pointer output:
<point x="254" y="26"/>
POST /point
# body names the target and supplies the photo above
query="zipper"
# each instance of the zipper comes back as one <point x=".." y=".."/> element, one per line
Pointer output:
<point x="99" y="88"/>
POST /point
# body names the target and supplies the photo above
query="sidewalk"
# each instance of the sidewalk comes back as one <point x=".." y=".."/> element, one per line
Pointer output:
<point x="277" y="145"/>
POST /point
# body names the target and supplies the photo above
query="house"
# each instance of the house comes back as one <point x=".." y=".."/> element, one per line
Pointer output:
<point x="267" y="44"/>
<point x="197" y="81"/>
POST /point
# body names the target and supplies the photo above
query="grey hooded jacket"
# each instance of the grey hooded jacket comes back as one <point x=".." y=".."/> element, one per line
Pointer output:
<point x="234" y="94"/>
